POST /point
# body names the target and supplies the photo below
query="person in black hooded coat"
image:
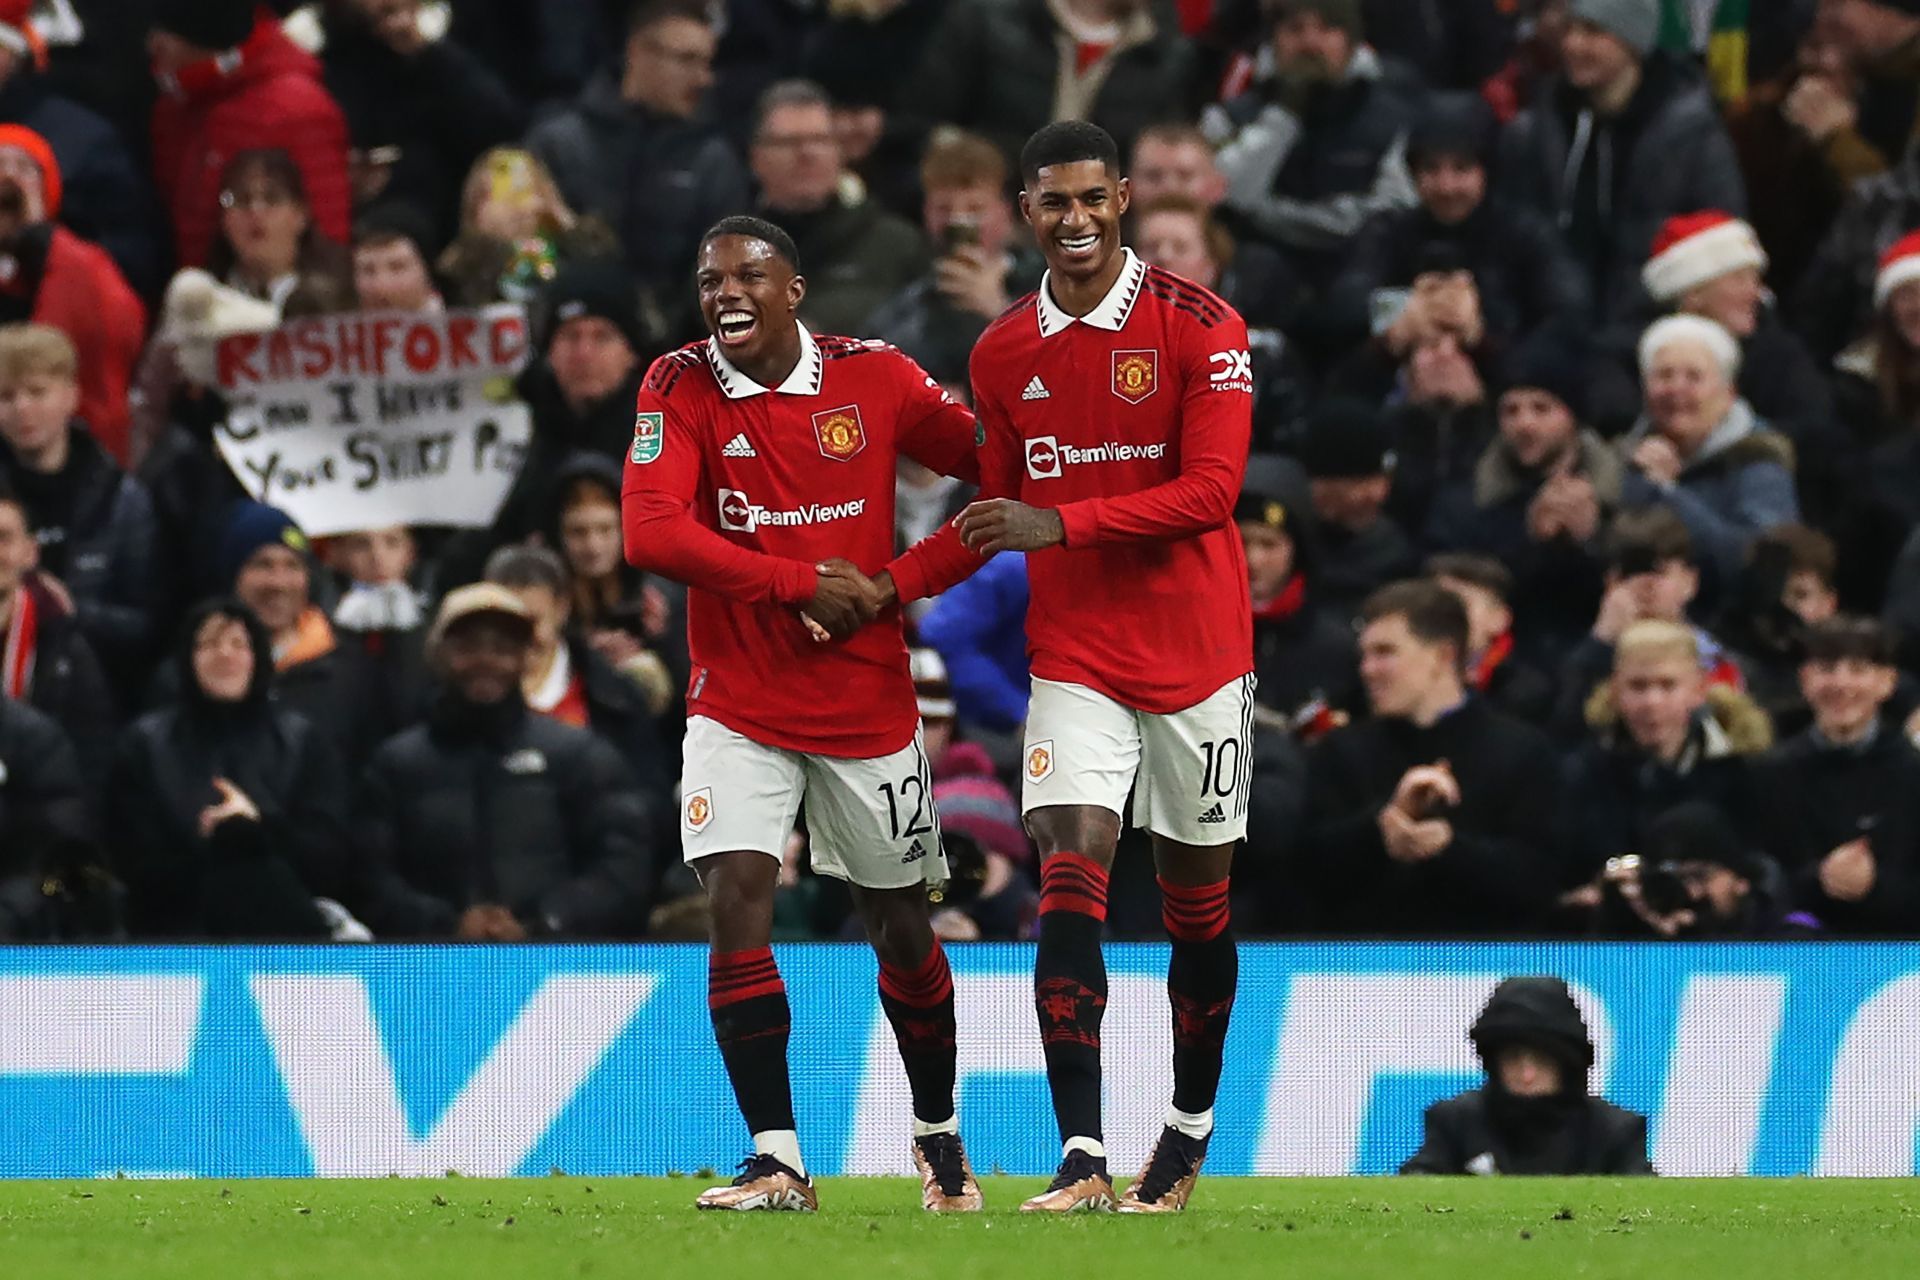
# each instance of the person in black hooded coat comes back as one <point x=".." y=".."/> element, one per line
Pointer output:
<point x="1534" y="1116"/>
<point x="226" y="813"/>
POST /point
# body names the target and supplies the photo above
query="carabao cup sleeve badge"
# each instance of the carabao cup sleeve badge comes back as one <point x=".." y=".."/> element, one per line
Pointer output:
<point x="649" y="433"/>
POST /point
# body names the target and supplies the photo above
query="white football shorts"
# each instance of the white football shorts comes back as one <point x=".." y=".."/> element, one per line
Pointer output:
<point x="1190" y="771"/>
<point x="869" y="822"/>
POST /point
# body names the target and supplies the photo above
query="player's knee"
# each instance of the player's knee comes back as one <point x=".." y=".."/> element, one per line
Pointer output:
<point x="1091" y="833"/>
<point x="899" y="930"/>
<point x="740" y="899"/>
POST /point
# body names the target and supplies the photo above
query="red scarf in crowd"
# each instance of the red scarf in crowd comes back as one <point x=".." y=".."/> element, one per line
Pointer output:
<point x="1498" y="652"/>
<point x="1292" y="598"/>
<point x="23" y="637"/>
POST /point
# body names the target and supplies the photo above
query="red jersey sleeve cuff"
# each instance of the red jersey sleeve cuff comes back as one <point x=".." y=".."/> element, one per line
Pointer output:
<point x="1080" y="523"/>
<point x="793" y="582"/>
<point x="909" y="578"/>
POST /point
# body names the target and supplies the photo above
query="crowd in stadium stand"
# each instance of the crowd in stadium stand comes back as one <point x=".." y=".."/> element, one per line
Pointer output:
<point x="1586" y="342"/>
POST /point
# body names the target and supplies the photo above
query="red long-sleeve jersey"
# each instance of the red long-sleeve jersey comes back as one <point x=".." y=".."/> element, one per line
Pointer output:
<point x="1132" y="422"/>
<point x="739" y="490"/>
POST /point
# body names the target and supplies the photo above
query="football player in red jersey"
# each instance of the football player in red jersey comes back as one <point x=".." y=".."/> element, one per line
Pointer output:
<point x="762" y="476"/>
<point x="1116" y="404"/>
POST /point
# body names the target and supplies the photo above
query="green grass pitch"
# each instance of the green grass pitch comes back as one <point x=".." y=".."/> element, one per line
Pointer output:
<point x="1300" y="1229"/>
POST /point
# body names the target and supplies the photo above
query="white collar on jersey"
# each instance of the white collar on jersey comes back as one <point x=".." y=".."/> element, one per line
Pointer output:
<point x="1113" y="310"/>
<point x="803" y="381"/>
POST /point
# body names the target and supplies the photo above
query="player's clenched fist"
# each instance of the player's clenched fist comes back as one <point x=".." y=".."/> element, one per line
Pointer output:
<point x="1001" y="524"/>
<point x="844" y="599"/>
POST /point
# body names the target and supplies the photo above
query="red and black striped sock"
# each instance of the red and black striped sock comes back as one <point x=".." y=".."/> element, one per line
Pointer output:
<point x="919" y="1004"/>
<point x="1201" y="980"/>
<point x="748" y="1003"/>
<point x="1070" y="988"/>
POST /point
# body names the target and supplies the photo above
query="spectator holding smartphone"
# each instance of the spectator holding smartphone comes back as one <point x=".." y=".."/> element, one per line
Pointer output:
<point x="939" y="317"/>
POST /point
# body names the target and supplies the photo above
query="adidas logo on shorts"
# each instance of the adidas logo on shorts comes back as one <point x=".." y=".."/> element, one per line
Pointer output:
<point x="1036" y="390"/>
<point x="739" y="447"/>
<point x="915" y="852"/>
<point x="1215" y="814"/>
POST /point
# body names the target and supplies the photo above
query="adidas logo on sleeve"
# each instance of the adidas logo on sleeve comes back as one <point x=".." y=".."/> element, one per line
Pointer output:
<point x="739" y="447"/>
<point x="1036" y="390"/>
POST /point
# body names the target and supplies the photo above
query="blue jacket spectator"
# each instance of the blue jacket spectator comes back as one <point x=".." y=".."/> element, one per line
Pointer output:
<point x="1700" y="451"/>
<point x="980" y="629"/>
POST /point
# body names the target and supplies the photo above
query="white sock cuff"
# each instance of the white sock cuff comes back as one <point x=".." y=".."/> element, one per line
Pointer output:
<point x="783" y="1145"/>
<point x="922" y="1129"/>
<point x="1193" y="1124"/>
<point x="1092" y="1146"/>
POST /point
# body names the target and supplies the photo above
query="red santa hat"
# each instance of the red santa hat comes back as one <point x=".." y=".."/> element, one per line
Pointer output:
<point x="17" y="33"/>
<point x="1694" y="248"/>
<point x="1898" y="265"/>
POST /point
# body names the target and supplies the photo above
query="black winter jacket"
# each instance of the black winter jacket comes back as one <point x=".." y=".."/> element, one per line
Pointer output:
<point x="1309" y="180"/>
<point x="102" y="546"/>
<point x="41" y="802"/>
<point x="1492" y="1131"/>
<point x="248" y="879"/>
<point x="1817" y="797"/>
<point x="1307" y="654"/>
<point x="658" y="183"/>
<point x="1497" y="876"/>
<point x="67" y="684"/>
<point x="1615" y="793"/>
<point x="498" y="805"/>
<point x="1667" y="153"/>
<point x="1582" y="1136"/>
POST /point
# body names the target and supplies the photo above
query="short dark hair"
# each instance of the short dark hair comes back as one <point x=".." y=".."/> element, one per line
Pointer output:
<point x="744" y="224"/>
<point x="1068" y="142"/>
<point x="1806" y="550"/>
<point x="647" y="14"/>
<point x="392" y="223"/>
<point x="1846" y="636"/>
<point x="1482" y="571"/>
<point x="1642" y="541"/>
<point x="1434" y="614"/>
<point x="788" y="93"/>
<point x="519" y="566"/>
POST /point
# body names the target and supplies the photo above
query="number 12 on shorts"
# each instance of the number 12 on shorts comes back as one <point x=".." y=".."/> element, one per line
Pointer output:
<point x="916" y="788"/>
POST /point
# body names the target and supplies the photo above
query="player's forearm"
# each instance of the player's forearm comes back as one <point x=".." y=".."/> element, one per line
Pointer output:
<point x="932" y="565"/>
<point x="1200" y="500"/>
<point x="674" y="545"/>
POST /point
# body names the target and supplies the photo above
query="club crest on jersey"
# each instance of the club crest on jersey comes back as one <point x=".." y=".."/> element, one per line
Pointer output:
<point x="699" y="809"/>
<point x="649" y="433"/>
<point x="1135" y="374"/>
<point x="839" y="432"/>
<point x="1040" y="760"/>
